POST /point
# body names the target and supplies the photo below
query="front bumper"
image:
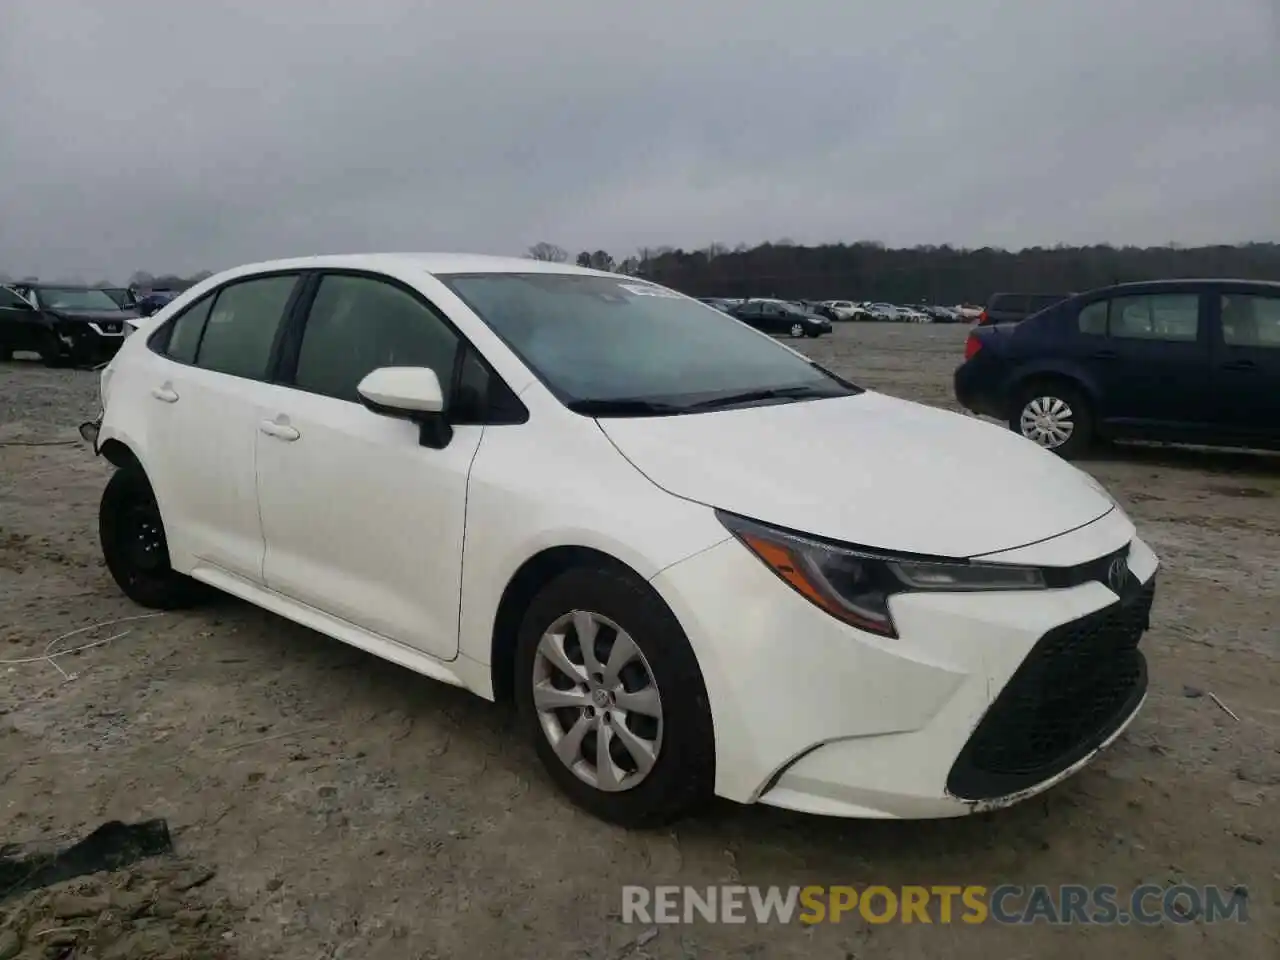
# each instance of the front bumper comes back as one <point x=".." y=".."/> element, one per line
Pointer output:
<point x="813" y="715"/>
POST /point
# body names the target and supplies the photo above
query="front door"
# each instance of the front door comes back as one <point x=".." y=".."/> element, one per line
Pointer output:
<point x="362" y="521"/>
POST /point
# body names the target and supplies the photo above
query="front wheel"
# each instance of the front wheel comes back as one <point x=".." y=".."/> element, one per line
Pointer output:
<point x="1055" y="416"/>
<point x="135" y="548"/>
<point x="610" y="692"/>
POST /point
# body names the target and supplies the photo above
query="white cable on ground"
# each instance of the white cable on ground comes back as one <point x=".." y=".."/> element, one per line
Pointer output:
<point x="49" y="656"/>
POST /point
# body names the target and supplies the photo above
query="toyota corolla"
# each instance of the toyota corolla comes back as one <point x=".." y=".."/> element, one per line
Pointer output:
<point x="576" y="490"/>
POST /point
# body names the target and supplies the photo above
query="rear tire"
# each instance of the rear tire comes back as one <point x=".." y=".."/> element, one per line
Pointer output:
<point x="134" y="545"/>
<point x="661" y="766"/>
<point x="1056" y="416"/>
<point x="797" y="330"/>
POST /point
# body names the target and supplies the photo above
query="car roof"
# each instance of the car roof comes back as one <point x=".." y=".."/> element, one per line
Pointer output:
<point x="432" y="263"/>
<point x="1183" y="282"/>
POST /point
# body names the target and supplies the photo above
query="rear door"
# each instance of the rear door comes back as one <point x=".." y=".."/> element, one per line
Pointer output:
<point x="1246" y="362"/>
<point x="1153" y="364"/>
<point x="205" y="390"/>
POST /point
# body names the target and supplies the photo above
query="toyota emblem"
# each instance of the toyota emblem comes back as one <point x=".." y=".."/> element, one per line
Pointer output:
<point x="1117" y="574"/>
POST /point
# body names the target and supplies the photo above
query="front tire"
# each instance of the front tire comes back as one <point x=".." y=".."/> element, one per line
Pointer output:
<point x="134" y="545"/>
<point x="608" y="688"/>
<point x="1056" y="416"/>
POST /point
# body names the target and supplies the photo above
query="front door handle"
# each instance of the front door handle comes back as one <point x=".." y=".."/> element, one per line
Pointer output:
<point x="165" y="392"/>
<point x="281" y="431"/>
<point x="1239" y="365"/>
<point x="1105" y="355"/>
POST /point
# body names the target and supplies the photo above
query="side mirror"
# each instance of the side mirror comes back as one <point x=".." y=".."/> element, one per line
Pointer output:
<point x="409" y="393"/>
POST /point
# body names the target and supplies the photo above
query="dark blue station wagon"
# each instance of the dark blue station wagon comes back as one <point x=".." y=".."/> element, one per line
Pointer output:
<point x="1181" y="361"/>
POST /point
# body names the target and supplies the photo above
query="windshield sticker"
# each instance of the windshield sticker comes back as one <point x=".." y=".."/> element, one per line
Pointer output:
<point x="646" y="290"/>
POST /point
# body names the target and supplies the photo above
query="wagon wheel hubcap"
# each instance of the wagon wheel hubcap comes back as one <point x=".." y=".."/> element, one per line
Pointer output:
<point x="1049" y="421"/>
<point x="597" y="701"/>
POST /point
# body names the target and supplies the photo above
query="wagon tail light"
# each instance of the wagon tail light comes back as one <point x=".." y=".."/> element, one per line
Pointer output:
<point x="982" y="317"/>
<point x="972" y="345"/>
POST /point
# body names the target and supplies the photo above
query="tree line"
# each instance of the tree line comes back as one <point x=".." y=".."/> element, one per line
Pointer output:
<point x="925" y="274"/>
<point x="872" y="271"/>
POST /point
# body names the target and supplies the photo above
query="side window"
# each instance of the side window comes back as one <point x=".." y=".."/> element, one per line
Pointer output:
<point x="184" y="332"/>
<point x="749" y="310"/>
<point x="1171" y="317"/>
<point x="242" y="326"/>
<point x="1092" y="320"/>
<point x="1251" y="321"/>
<point x="358" y="324"/>
<point x="10" y="299"/>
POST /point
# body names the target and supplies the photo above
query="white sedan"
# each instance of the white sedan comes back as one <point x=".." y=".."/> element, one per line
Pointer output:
<point x="577" y="490"/>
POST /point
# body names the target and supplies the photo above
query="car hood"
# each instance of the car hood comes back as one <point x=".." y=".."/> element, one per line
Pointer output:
<point x="870" y="470"/>
<point x="96" y="316"/>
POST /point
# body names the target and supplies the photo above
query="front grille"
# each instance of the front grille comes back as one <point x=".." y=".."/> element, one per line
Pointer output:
<point x="1075" y="688"/>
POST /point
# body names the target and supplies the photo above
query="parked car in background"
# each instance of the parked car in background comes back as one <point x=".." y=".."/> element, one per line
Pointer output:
<point x="886" y="312"/>
<point x="152" y="302"/>
<point x="1013" y="307"/>
<point x="362" y="444"/>
<point x="64" y="324"/>
<point x="719" y="303"/>
<point x="779" y="316"/>
<point x="845" y="310"/>
<point x="126" y="298"/>
<point x="1194" y="361"/>
<point x="937" y="313"/>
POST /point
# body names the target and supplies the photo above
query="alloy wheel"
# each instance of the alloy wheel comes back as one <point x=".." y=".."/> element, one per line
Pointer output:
<point x="597" y="701"/>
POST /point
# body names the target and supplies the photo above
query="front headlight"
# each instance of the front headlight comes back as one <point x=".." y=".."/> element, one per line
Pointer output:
<point x="855" y="585"/>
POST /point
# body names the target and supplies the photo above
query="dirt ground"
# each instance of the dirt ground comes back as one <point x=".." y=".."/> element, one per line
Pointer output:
<point x="353" y="809"/>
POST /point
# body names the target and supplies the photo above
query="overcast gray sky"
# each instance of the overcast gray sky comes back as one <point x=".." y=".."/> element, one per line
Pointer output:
<point x="179" y="135"/>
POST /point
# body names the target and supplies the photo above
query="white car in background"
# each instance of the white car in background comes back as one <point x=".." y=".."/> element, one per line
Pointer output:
<point x="845" y="309"/>
<point x="577" y="490"/>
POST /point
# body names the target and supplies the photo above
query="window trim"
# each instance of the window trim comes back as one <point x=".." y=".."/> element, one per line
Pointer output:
<point x="509" y="411"/>
<point x="158" y="341"/>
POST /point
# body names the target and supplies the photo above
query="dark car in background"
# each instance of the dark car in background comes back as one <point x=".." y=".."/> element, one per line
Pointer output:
<point x="153" y="301"/>
<point x="64" y="324"/>
<point x="1181" y="361"/>
<point x="125" y="297"/>
<point x="1013" y="307"/>
<point x="779" y="316"/>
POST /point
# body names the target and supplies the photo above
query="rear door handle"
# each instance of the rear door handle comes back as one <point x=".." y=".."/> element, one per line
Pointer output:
<point x="165" y="392"/>
<point x="1239" y="365"/>
<point x="281" y="431"/>
<point x="1105" y="355"/>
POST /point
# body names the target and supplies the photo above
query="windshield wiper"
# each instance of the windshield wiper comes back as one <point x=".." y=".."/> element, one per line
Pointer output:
<point x="624" y="407"/>
<point x="753" y="396"/>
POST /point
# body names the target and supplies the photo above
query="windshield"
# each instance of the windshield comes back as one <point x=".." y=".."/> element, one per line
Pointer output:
<point x="599" y="339"/>
<point x="69" y="298"/>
